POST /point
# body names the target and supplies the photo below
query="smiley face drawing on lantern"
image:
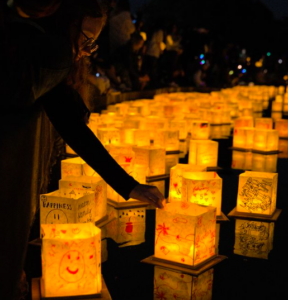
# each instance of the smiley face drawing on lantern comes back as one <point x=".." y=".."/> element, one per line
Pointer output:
<point x="72" y="266"/>
<point x="56" y="216"/>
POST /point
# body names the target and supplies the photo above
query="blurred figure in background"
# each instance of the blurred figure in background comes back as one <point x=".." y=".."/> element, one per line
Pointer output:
<point x="120" y="25"/>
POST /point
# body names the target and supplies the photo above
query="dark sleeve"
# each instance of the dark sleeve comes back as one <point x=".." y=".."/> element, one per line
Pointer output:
<point x="62" y="107"/>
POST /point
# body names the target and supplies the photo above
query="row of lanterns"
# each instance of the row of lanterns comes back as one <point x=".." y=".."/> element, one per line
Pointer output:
<point x="143" y="136"/>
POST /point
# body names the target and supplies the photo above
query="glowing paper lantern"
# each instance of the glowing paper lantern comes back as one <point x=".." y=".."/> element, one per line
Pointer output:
<point x="266" y="140"/>
<point x="204" y="188"/>
<point x="200" y="130"/>
<point x="241" y="160"/>
<point x="152" y="158"/>
<point x="264" y="163"/>
<point x="181" y="126"/>
<point x="75" y="167"/>
<point x="244" y="122"/>
<point x="67" y="206"/>
<point x="138" y="137"/>
<point x="108" y="136"/>
<point x="225" y="130"/>
<point x="183" y="148"/>
<point x="277" y="106"/>
<point x="128" y="226"/>
<point x="264" y="123"/>
<point x="257" y="193"/>
<point x="243" y="137"/>
<point x="169" y="284"/>
<point x="176" y="177"/>
<point x="283" y="147"/>
<point x="282" y="127"/>
<point x="253" y="238"/>
<point x="203" y="153"/>
<point x="185" y="233"/>
<point x="168" y="139"/>
<point x="85" y="183"/>
<point x="71" y="260"/>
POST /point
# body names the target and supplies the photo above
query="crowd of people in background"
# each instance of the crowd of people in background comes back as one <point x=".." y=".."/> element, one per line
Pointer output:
<point x="136" y="53"/>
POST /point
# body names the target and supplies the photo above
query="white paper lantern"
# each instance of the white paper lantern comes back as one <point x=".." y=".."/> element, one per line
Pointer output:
<point x="128" y="225"/>
<point x="76" y="167"/>
<point x="266" y="140"/>
<point x="71" y="260"/>
<point x="264" y="123"/>
<point x="257" y="193"/>
<point x="264" y="163"/>
<point x="200" y="130"/>
<point x="244" y="122"/>
<point x="176" y="177"/>
<point x="85" y="183"/>
<point x="204" y="188"/>
<point x="203" y="153"/>
<point x="185" y="233"/>
<point x="67" y="206"/>
<point x="241" y="160"/>
<point x="243" y="137"/>
<point x="282" y="126"/>
<point x="168" y="139"/>
<point x="108" y="136"/>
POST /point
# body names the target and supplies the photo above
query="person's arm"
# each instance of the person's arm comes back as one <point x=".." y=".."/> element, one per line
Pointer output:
<point x="67" y="117"/>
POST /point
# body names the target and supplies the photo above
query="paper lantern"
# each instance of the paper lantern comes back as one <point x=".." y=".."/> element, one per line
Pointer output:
<point x="257" y="193"/>
<point x="244" y="122"/>
<point x="71" y="260"/>
<point x="225" y="130"/>
<point x="216" y="131"/>
<point x="277" y="106"/>
<point x="243" y="137"/>
<point x="264" y="163"/>
<point x="108" y="136"/>
<point x="85" y="183"/>
<point x="152" y="158"/>
<point x="200" y="130"/>
<point x="168" y="139"/>
<point x="170" y="284"/>
<point x="67" y="206"/>
<point x="264" y="123"/>
<point x="282" y="127"/>
<point x="181" y="126"/>
<point x="176" y="175"/>
<point x="253" y="238"/>
<point x="128" y="225"/>
<point x="185" y="233"/>
<point x="138" y="137"/>
<point x="276" y="115"/>
<point x="204" y="188"/>
<point x="283" y="147"/>
<point x="183" y="148"/>
<point x="171" y="160"/>
<point x="75" y="167"/>
<point x="266" y="140"/>
<point x="241" y="160"/>
<point x="203" y="153"/>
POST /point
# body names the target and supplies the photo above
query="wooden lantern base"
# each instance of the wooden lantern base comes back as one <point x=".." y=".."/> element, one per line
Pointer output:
<point x="157" y="178"/>
<point x="222" y="218"/>
<point x="128" y="204"/>
<point x="236" y="214"/>
<point x="37" y="293"/>
<point x="197" y="270"/>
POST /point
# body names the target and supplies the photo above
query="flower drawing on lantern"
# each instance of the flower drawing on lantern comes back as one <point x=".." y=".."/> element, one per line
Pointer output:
<point x="72" y="266"/>
<point x="255" y="196"/>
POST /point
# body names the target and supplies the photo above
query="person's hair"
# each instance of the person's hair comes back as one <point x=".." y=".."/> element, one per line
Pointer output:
<point x="122" y="5"/>
<point x="136" y="38"/>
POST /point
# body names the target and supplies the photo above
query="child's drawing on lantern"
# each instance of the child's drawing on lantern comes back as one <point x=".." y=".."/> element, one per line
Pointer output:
<point x="86" y="184"/>
<point x="203" y="188"/>
<point x="253" y="238"/>
<point x="176" y="177"/>
<point x="128" y="227"/>
<point x="257" y="193"/>
<point x="67" y="206"/>
<point x="71" y="260"/>
<point x="170" y="284"/>
<point x="185" y="233"/>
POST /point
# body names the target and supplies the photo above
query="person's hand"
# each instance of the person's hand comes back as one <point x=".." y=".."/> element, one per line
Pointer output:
<point x="149" y="194"/>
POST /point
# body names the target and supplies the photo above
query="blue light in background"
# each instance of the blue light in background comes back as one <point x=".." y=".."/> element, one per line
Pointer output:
<point x="201" y="56"/>
<point x="244" y="71"/>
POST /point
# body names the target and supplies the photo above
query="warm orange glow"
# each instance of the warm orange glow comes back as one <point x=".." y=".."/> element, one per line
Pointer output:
<point x="203" y="153"/>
